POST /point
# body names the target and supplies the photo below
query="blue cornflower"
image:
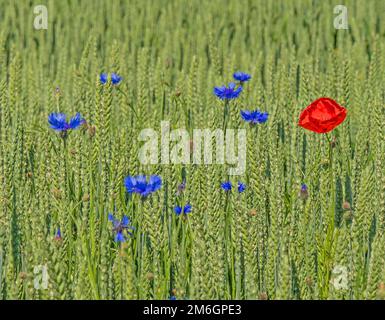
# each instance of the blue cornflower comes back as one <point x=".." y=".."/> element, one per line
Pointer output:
<point x="140" y="184"/>
<point x="115" y="79"/>
<point x="181" y="188"/>
<point x="103" y="78"/>
<point x="186" y="209"/>
<point x="303" y="192"/>
<point x="172" y="298"/>
<point x="241" y="76"/>
<point x="254" y="117"/>
<point x="226" y="186"/>
<point x="229" y="92"/>
<point x="58" y="234"/>
<point x="241" y="187"/>
<point x="58" y="121"/>
<point x="262" y="117"/>
<point x="119" y="226"/>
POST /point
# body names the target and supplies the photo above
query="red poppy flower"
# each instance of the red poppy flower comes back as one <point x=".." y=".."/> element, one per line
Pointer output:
<point x="322" y="115"/>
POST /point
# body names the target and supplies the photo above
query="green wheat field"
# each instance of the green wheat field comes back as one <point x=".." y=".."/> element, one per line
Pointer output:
<point x="271" y="241"/>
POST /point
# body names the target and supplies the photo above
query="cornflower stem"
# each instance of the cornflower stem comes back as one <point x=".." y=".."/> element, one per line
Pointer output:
<point x="67" y="207"/>
<point x="65" y="191"/>
<point x="232" y="257"/>
<point x="228" y="248"/>
<point x="183" y="248"/>
<point x="67" y="175"/>
<point x="129" y="104"/>
<point x="225" y="114"/>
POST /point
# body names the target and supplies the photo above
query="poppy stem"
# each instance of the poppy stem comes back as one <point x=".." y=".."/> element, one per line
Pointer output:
<point x="332" y="184"/>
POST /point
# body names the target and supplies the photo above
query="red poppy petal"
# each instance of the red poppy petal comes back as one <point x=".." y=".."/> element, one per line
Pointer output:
<point x="322" y="115"/>
<point x="307" y="122"/>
